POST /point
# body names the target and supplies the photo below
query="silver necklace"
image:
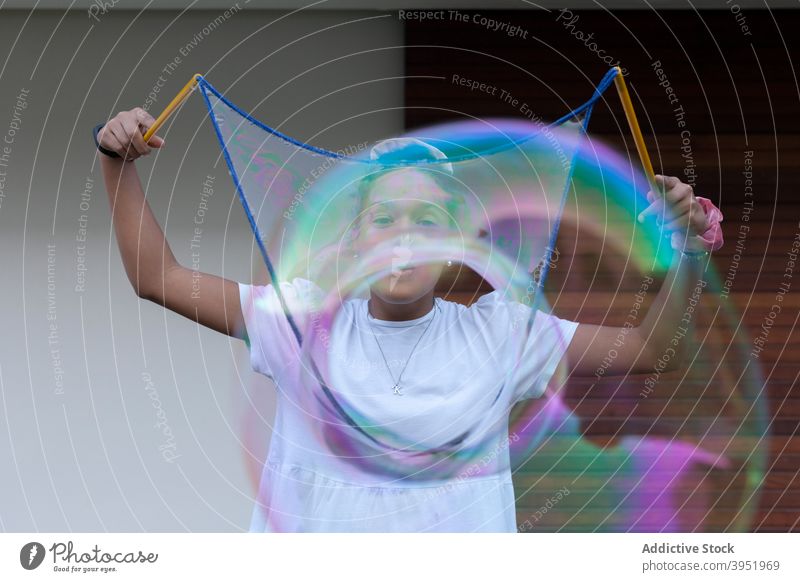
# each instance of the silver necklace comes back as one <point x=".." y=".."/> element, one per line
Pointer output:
<point x="396" y="387"/>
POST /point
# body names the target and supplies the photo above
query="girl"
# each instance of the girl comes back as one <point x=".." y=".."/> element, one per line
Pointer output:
<point x="424" y="366"/>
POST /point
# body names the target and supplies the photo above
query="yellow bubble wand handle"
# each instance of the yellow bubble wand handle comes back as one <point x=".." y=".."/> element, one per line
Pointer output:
<point x="627" y="105"/>
<point x="173" y="105"/>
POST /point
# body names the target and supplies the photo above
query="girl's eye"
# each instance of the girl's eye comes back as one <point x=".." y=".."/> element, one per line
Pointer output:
<point x="431" y="221"/>
<point x="382" y="220"/>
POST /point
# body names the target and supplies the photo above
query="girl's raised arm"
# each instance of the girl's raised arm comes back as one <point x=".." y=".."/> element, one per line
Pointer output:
<point x="149" y="263"/>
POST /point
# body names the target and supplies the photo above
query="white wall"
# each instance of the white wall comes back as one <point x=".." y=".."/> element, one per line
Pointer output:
<point x="86" y="457"/>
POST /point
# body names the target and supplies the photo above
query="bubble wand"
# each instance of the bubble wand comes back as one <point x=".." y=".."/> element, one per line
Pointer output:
<point x="187" y="90"/>
<point x="638" y="139"/>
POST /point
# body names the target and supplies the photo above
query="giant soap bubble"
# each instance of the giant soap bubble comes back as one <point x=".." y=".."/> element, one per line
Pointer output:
<point x="481" y="199"/>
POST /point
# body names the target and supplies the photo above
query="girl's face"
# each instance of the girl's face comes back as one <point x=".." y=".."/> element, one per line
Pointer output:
<point x="398" y="203"/>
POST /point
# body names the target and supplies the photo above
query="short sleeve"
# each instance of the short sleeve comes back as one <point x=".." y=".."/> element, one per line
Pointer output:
<point x="543" y="349"/>
<point x="270" y="339"/>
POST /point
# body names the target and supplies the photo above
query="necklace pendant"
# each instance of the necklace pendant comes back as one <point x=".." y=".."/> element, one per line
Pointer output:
<point x="396" y="390"/>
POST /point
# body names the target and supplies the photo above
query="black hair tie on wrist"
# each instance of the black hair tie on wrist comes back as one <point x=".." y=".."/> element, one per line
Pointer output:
<point x="109" y="153"/>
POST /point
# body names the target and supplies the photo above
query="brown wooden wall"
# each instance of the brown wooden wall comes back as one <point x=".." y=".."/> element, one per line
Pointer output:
<point x="739" y="92"/>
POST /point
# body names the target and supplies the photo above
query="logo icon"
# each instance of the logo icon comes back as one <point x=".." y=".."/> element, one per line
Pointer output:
<point x="31" y="555"/>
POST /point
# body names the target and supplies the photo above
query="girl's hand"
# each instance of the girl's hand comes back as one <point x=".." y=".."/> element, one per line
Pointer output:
<point x="124" y="134"/>
<point x="678" y="204"/>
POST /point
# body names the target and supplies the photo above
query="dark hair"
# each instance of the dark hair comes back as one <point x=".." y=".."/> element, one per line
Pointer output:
<point x="455" y="204"/>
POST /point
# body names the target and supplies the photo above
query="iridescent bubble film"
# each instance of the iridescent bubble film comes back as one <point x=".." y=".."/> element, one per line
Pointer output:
<point x="487" y="199"/>
<point x="678" y="438"/>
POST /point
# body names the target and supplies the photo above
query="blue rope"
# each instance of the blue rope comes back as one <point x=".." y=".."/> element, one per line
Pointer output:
<point x="587" y="108"/>
<point x="605" y="82"/>
<point x="232" y="171"/>
<point x="554" y="233"/>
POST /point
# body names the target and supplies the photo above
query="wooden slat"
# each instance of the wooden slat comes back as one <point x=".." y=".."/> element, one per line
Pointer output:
<point x="733" y="103"/>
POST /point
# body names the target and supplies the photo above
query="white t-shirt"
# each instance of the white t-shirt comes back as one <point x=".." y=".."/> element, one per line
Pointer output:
<point x="434" y="459"/>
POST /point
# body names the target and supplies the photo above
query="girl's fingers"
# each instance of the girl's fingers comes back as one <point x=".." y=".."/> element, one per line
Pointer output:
<point x="681" y="207"/>
<point x="146" y="121"/>
<point x="654" y="208"/>
<point x="109" y="141"/>
<point x="678" y="215"/>
<point x="126" y="148"/>
<point x="675" y="203"/>
<point x="674" y="190"/>
<point x="667" y="182"/>
<point x="144" y="117"/>
<point x="681" y="222"/>
<point x="135" y="136"/>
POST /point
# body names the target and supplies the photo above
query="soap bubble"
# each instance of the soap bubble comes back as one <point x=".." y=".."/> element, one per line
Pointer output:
<point x="482" y="200"/>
